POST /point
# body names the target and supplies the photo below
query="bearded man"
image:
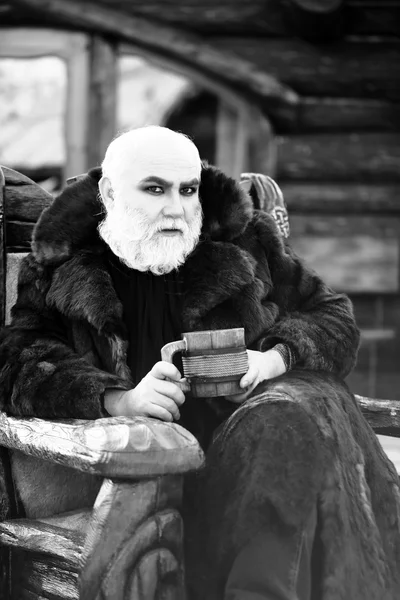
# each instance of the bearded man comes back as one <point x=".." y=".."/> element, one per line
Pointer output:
<point x="297" y="500"/>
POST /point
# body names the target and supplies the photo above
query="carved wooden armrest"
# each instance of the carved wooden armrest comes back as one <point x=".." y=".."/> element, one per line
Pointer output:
<point x="382" y="415"/>
<point x="116" y="447"/>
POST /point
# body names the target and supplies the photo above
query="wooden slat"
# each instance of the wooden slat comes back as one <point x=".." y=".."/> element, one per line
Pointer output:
<point x="355" y="158"/>
<point x="355" y="69"/>
<point x="345" y="226"/>
<point x="347" y="114"/>
<point x="353" y="263"/>
<point x="341" y="198"/>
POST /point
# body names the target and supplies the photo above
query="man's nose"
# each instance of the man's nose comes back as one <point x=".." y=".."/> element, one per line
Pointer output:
<point x="173" y="206"/>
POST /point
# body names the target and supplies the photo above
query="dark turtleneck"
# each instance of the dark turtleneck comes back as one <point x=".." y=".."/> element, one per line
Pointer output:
<point x="152" y="312"/>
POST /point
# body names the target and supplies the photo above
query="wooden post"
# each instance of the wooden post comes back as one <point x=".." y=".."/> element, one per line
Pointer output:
<point x="2" y="250"/>
<point x="232" y="139"/>
<point x="102" y="98"/>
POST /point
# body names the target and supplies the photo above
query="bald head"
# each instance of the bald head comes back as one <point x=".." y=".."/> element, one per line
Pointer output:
<point x="153" y="149"/>
<point x="150" y="189"/>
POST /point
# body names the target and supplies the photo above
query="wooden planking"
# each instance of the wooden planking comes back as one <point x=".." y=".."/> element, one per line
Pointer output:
<point x="331" y="197"/>
<point x="102" y="98"/>
<point x="353" y="253"/>
<point x="354" y="263"/>
<point x="346" y="114"/>
<point x="384" y="227"/>
<point x="252" y="17"/>
<point x="355" y="69"/>
<point x="367" y="157"/>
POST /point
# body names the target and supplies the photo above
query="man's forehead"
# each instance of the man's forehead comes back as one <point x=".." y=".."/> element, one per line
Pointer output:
<point x="174" y="169"/>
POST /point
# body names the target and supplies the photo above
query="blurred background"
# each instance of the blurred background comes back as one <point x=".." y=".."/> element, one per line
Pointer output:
<point x="306" y="91"/>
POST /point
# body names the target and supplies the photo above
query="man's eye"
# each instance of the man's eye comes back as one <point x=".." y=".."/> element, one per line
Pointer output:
<point x="188" y="191"/>
<point x="154" y="189"/>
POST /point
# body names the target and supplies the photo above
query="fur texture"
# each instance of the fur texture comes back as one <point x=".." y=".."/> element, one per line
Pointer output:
<point x="263" y="474"/>
<point x="66" y="345"/>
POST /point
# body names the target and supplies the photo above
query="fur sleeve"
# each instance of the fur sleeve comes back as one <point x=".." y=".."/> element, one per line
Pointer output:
<point x="40" y="375"/>
<point x="315" y="321"/>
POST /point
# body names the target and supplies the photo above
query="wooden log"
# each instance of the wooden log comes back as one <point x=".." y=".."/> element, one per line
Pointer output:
<point x="228" y="17"/>
<point x="366" y="157"/>
<point x="354" y="69"/>
<point x="183" y="48"/>
<point x="102" y="98"/>
<point x="341" y="198"/>
<point x="346" y="115"/>
<point x="314" y="19"/>
<point x="382" y="415"/>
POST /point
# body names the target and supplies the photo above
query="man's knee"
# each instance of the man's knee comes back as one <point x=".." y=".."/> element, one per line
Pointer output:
<point x="274" y="449"/>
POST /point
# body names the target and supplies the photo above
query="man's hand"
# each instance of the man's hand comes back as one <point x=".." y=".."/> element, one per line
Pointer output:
<point x="154" y="396"/>
<point x="262" y="366"/>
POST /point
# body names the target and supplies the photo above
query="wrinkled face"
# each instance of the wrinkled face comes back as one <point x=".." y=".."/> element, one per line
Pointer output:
<point x="153" y="209"/>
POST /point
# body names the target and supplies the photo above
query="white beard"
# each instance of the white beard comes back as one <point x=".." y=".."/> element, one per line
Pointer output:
<point x="138" y="244"/>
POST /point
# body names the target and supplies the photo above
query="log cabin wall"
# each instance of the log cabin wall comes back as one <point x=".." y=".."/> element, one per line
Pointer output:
<point x="338" y="147"/>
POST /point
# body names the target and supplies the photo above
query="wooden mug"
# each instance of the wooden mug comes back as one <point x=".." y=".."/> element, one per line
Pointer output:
<point x="213" y="361"/>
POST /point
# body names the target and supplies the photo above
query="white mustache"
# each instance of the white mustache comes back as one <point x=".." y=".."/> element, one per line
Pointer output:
<point x="177" y="224"/>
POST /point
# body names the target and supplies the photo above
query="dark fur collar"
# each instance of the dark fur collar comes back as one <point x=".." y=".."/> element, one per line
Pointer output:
<point x="220" y="269"/>
<point x="70" y="223"/>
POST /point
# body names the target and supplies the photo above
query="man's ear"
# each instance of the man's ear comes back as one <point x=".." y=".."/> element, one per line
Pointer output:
<point x="246" y="184"/>
<point x="106" y="191"/>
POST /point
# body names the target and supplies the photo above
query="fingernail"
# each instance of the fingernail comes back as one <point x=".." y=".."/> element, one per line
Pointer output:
<point x="245" y="383"/>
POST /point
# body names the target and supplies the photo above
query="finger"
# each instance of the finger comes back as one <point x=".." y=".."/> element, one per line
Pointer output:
<point x="250" y="377"/>
<point x="169" y="389"/>
<point x="168" y="404"/>
<point x="159" y="412"/>
<point x="164" y="370"/>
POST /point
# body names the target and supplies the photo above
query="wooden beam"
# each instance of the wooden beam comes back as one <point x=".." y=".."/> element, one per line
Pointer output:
<point x="354" y="69"/>
<point x="102" y="98"/>
<point x="220" y="66"/>
<point x="341" y="198"/>
<point x="347" y="114"/>
<point x="235" y="17"/>
<point x="367" y="158"/>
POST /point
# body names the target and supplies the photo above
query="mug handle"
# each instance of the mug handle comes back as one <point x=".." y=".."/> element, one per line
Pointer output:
<point x="167" y="354"/>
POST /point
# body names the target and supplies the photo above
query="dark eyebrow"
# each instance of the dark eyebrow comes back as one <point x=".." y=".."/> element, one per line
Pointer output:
<point x="158" y="180"/>
<point x="194" y="181"/>
<point x="164" y="182"/>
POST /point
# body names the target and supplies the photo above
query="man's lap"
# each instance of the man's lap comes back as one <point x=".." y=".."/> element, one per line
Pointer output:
<point x="289" y="447"/>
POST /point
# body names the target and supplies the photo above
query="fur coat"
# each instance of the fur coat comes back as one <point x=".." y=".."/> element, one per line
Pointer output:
<point x="67" y="341"/>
